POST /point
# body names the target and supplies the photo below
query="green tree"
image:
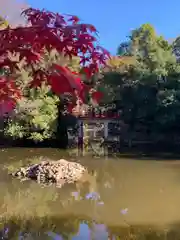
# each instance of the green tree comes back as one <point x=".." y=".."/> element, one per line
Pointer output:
<point x="153" y="53"/>
<point x="35" y="114"/>
<point x="146" y="90"/>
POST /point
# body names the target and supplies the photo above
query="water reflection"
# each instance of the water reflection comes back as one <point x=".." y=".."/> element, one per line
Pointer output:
<point x="79" y="228"/>
<point x="118" y="199"/>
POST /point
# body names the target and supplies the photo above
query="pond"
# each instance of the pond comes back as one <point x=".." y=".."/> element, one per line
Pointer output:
<point x="120" y="199"/>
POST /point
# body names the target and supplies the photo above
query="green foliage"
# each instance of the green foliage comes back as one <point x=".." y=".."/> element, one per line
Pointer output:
<point x="143" y="81"/>
<point x="74" y="64"/>
<point x="34" y="116"/>
<point x="153" y="53"/>
<point x="146" y="90"/>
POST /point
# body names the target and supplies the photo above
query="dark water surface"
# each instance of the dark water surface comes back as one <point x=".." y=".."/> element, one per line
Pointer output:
<point x="120" y="199"/>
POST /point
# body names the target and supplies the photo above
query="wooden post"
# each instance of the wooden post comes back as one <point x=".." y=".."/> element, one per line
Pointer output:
<point x="80" y="137"/>
<point x="106" y="129"/>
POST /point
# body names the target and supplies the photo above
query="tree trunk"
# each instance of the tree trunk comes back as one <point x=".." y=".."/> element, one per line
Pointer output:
<point x="61" y="135"/>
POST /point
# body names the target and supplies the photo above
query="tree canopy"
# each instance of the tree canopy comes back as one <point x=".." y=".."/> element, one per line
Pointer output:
<point x="42" y="56"/>
<point x="54" y="60"/>
<point x="145" y="80"/>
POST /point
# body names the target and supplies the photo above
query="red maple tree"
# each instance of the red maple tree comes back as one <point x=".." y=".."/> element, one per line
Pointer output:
<point x="48" y="30"/>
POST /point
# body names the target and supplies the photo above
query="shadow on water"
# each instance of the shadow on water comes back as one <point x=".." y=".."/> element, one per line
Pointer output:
<point x="118" y="200"/>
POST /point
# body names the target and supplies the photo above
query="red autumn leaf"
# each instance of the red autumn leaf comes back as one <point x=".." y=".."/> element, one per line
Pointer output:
<point x="48" y="30"/>
<point x="97" y="96"/>
<point x="59" y="85"/>
<point x="8" y="90"/>
<point x="74" y="19"/>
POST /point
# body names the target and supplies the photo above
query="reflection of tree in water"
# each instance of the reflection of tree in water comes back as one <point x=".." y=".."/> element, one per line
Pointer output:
<point x="144" y="233"/>
<point x="38" y="228"/>
<point x="68" y="226"/>
<point x="88" y="189"/>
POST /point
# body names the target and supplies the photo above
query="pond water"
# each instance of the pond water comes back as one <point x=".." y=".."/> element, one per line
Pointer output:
<point x="119" y="199"/>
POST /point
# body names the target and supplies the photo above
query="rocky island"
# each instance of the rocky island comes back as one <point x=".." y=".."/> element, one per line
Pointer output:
<point x="49" y="171"/>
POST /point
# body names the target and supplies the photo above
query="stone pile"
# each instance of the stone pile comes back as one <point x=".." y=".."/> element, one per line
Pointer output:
<point x="47" y="172"/>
